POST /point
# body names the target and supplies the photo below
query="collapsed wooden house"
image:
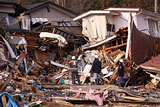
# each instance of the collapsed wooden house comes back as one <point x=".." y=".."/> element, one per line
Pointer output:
<point x="132" y="30"/>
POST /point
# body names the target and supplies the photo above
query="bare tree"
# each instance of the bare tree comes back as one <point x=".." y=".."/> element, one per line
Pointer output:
<point x="60" y="2"/>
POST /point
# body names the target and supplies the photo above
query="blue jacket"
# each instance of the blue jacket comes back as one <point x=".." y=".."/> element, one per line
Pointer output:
<point x="96" y="67"/>
<point x="121" y="70"/>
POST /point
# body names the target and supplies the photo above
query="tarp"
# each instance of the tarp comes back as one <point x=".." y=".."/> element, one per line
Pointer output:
<point x="62" y="41"/>
<point x="10" y="102"/>
<point x="143" y="46"/>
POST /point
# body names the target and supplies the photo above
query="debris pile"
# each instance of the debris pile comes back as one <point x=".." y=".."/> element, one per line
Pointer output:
<point x="44" y="61"/>
<point x="51" y="62"/>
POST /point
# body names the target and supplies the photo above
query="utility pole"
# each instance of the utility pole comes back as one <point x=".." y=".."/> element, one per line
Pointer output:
<point x="156" y="6"/>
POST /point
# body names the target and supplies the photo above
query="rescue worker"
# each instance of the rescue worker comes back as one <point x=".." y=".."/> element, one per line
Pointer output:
<point x="121" y="72"/>
<point x="96" y="69"/>
<point x="74" y="70"/>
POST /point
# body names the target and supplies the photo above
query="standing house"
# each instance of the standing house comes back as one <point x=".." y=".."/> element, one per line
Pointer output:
<point x="50" y="17"/>
<point x="99" y="24"/>
<point x="48" y="13"/>
<point x="8" y="13"/>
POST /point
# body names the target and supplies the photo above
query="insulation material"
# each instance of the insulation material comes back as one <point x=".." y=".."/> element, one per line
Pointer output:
<point x="101" y="27"/>
<point x="87" y="29"/>
<point x="35" y="20"/>
<point x="94" y="27"/>
<point x="62" y="41"/>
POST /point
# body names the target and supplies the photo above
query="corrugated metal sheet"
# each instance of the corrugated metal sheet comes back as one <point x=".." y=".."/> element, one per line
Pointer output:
<point x="153" y="62"/>
<point x="143" y="46"/>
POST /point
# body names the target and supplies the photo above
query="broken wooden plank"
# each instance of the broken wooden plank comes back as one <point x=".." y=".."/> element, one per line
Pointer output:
<point x="114" y="75"/>
<point x="105" y="79"/>
<point x="114" y="53"/>
<point x="65" y="98"/>
<point x="157" y="70"/>
<point x="13" y="70"/>
<point x="117" y="46"/>
<point x="99" y="43"/>
<point x="36" y="102"/>
<point x="76" y="91"/>
<point x="119" y="56"/>
<point x="64" y="103"/>
<point x="133" y="98"/>
<point x="4" y="101"/>
<point x="40" y="92"/>
<point x="85" y="72"/>
<point x="59" y="65"/>
<point x="22" y="85"/>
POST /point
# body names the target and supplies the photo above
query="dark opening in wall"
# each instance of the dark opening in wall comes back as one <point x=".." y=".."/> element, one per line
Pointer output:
<point x="48" y="9"/>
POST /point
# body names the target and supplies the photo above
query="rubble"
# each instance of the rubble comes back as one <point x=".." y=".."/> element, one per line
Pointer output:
<point x="43" y="69"/>
<point x="34" y="67"/>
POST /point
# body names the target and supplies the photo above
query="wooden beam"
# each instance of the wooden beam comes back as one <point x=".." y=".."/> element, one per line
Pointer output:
<point x="105" y="79"/>
<point x="129" y="35"/>
<point x="53" y="30"/>
<point x="150" y="68"/>
<point x="12" y="71"/>
<point x="76" y="91"/>
<point x="113" y="47"/>
<point x="68" y="98"/>
<point x="133" y="98"/>
<point x="4" y="101"/>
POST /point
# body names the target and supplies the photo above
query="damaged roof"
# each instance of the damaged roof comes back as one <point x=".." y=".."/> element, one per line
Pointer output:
<point x="8" y="3"/>
<point x="138" y="10"/>
<point x="153" y="62"/>
<point x="11" y="7"/>
<point x="7" y="7"/>
<point x="116" y="11"/>
<point x="33" y="7"/>
<point x="94" y="12"/>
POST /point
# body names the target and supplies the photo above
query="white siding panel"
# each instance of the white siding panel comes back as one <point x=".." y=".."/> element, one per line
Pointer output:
<point x="53" y="15"/>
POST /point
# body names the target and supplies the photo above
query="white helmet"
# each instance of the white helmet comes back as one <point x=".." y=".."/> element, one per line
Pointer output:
<point x="121" y="60"/>
<point x="96" y="56"/>
<point x="73" y="57"/>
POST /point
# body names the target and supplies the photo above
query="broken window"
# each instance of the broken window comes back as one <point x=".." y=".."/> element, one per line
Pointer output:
<point x="110" y="27"/>
<point x="153" y="27"/>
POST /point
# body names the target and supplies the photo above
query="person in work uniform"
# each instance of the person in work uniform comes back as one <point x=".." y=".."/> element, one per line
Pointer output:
<point x="74" y="70"/>
<point x="96" y="69"/>
<point x="121" y="72"/>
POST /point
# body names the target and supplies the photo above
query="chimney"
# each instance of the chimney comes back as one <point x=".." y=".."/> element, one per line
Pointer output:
<point x="156" y="6"/>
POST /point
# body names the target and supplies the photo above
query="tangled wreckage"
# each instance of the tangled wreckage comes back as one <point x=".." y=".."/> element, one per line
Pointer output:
<point x="34" y="60"/>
